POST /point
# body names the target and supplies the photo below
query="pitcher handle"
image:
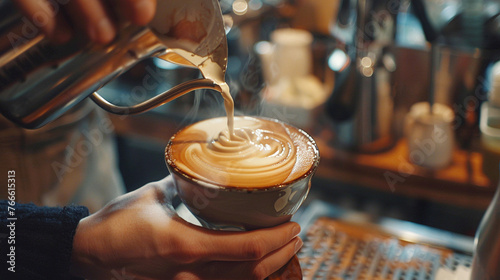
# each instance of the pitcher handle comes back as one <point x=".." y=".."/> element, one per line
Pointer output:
<point x="156" y="101"/>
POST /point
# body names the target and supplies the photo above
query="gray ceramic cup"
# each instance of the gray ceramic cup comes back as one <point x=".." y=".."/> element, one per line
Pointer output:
<point x="239" y="208"/>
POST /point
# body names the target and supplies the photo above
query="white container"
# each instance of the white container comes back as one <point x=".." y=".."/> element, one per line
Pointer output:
<point x="430" y="135"/>
<point x="287" y="55"/>
<point x="292" y="52"/>
<point x="292" y="92"/>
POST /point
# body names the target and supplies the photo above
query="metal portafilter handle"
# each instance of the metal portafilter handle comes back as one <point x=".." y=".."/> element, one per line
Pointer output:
<point x="361" y="104"/>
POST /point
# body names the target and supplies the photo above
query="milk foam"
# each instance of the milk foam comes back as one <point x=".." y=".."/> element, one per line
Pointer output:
<point x="261" y="153"/>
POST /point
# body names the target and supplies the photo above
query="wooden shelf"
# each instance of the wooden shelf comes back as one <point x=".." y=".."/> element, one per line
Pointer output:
<point x="462" y="183"/>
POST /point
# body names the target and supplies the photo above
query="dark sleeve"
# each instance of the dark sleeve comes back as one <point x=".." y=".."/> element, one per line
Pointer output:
<point x="36" y="242"/>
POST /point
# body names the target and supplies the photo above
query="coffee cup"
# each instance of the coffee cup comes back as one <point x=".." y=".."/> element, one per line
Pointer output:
<point x="256" y="201"/>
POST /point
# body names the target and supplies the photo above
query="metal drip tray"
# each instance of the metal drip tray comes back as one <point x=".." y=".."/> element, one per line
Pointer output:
<point x="338" y="250"/>
<point x="343" y="250"/>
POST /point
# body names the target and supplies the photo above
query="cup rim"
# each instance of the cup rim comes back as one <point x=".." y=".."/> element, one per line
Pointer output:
<point x="200" y="182"/>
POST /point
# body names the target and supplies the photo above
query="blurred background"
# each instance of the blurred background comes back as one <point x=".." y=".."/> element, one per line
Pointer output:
<point x="400" y="96"/>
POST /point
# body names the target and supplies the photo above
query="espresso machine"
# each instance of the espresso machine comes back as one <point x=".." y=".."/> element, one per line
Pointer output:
<point x="374" y="84"/>
<point x="361" y="103"/>
<point x="461" y="40"/>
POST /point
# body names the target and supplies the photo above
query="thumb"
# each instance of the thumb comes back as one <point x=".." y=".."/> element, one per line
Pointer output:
<point x="244" y="246"/>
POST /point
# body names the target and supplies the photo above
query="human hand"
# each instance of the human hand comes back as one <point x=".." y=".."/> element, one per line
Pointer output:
<point x="136" y="235"/>
<point x="97" y="19"/>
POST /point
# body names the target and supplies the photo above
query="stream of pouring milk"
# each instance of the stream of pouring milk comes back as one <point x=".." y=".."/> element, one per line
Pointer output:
<point x="212" y="70"/>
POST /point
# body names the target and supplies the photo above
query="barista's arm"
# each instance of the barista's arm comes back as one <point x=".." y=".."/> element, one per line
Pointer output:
<point x="36" y="242"/>
<point x="96" y="18"/>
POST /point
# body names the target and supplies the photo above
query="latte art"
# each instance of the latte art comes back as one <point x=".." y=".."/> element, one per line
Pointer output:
<point x="249" y="152"/>
<point x="259" y="153"/>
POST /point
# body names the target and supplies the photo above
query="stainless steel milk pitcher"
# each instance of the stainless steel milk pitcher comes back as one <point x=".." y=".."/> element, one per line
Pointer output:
<point x="40" y="81"/>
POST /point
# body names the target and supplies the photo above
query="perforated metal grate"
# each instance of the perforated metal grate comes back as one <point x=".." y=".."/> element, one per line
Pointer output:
<point x="341" y="251"/>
